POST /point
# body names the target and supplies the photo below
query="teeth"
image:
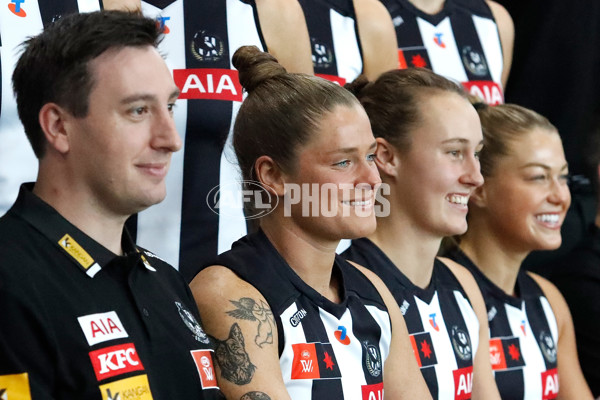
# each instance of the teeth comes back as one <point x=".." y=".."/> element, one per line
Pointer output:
<point x="552" y="218"/>
<point x="358" y="203"/>
<point x="457" y="199"/>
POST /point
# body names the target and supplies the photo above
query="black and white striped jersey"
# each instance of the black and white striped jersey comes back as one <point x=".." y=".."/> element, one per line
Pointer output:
<point x="336" y="49"/>
<point x="18" y="21"/>
<point x="523" y="334"/>
<point x="200" y="39"/>
<point x="443" y="327"/>
<point x="461" y="42"/>
<point x="327" y="350"/>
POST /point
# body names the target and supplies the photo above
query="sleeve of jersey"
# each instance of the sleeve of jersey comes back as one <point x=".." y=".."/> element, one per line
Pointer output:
<point x="27" y="362"/>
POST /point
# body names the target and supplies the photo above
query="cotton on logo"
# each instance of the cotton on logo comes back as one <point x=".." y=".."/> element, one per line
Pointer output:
<point x="115" y="360"/>
<point x="204" y="364"/>
<point x="372" y="392"/>
<point x="99" y="328"/>
<point x="463" y="383"/>
<point x="549" y="384"/>
<point x="211" y="84"/>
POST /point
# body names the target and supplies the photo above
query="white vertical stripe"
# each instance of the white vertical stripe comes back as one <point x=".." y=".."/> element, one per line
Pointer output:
<point x="159" y="227"/>
<point x="470" y="318"/>
<point x="446" y="360"/>
<point x="492" y="49"/>
<point x="550" y="317"/>
<point x="383" y="319"/>
<point x="445" y="61"/>
<point x="347" y="53"/>
<point x="88" y="5"/>
<point x="299" y="388"/>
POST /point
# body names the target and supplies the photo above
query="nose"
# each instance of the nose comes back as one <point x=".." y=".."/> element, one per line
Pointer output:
<point x="472" y="173"/>
<point x="368" y="175"/>
<point x="559" y="192"/>
<point x="165" y="136"/>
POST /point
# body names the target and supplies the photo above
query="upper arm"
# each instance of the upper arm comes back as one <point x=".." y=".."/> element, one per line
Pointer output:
<point x="570" y="378"/>
<point x="377" y="37"/>
<point x="122" y="4"/>
<point x="284" y="29"/>
<point x="238" y="317"/>
<point x="506" y="29"/>
<point x="484" y="384"/>
<point x="402" y="378"/>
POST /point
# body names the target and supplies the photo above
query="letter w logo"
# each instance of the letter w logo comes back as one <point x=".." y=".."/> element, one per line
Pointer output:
<point x="209" y="373"/>
<point x="306" y="365"/>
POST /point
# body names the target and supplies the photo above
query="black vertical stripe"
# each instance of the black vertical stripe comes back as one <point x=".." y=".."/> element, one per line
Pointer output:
<point x="208" y="123"/>
<point x="321" y="37"/>
<point x="511" y="384"/>
<point x="53" y="10"/>
<point x="541" y="330"/>
<point x="469" y="47"/>
<point x="362" y="327"/>
<point x="314" y="331"/>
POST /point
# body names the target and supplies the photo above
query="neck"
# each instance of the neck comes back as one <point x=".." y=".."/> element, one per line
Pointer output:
<point x="429" y="6"/>
<point x="497" y="262"/>
<point x="408" y="247"/>
<point x="311" y="258"/>
<point x="80" y="209"/>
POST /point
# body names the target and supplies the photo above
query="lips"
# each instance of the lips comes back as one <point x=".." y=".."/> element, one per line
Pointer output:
<point x="158" y="170"/>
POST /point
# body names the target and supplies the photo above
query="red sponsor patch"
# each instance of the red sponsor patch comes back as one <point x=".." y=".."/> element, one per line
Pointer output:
<point x="335" y="79"/>
<point x="463" y="383"/>
<point x="305" y="364"/>
<point x="372" y="392"/>
<point x="488" y="91"/>
<point x="497" y="358"/>
<point x="115" y="360"/>
<point x="211" y="84"/>
<point x="401" y="60"/>
<point x="550" y="384"/>
<point x="204" y="364"/>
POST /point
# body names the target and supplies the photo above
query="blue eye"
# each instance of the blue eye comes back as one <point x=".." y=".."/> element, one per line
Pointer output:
<point x="371" y="157"/>
<point x="343" y="163"/>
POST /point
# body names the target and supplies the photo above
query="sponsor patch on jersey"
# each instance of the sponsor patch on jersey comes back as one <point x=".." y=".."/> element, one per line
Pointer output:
<point x="413" y="57"/>
<point x="15" y="386"/>
<point x="207" y="47"/>
<point x="297" y="317"/>
<point x="322" y="56"/>
<point x="372" y="359"/>
<point x="78" y="253"/>
<point x="372" y="392"/>
<point x="550" y="384"/>
<point x="190" y="322"/>
<point x="210" y="84"/>
<point x="461" y="342"/>
<point x="342" y="336"/>
<point x="134" y="388"/>
<point x="115" y="360"/>
<point x="474" y="61"/>
<point x="505" y="353"/>
<point x="314" y="361"/>
<point x="16" y="7"/>
<point x="491" y="93"/>
<point x="548" y="347"/>
<point x="102" y="327"/>
<point x="423" y="348"/>
<point x="204" y="363"/>
<point x="335" y="79"/>
<point x="463" y="383"/>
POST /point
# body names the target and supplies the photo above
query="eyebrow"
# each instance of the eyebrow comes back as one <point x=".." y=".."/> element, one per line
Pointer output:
<point x="351" y="149"/>
<point x="460" y="140"/>
<point x="544" y="166"/>
<point x="148" y="97"/>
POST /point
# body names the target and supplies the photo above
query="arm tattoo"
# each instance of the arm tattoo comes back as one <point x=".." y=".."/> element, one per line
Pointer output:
<point x="248" y="309"/>
<point x="255" y="396"/>
<point x="233" y="359"/>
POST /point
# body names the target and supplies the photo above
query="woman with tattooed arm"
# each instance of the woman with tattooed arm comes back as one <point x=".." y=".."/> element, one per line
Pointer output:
<point x="291" y="320"/>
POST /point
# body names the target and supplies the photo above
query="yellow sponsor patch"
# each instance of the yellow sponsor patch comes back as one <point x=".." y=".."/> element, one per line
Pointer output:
<point x="134" y="388"/>
<point x="15" y="387"/>
<point x="76" y="251"/>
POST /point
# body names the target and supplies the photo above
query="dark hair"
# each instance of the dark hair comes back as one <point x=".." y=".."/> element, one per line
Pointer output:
<point x="54" y="64"/>
<point x="282" y="109"/>
<point x="502" y="125"/>
<point x="393" y="101"/>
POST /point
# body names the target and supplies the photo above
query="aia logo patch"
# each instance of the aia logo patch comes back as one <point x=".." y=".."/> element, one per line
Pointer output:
<point x="115" y="360"/>
<point x="314" y="361"/>
<point x="101" y="327"/>
<point x="550" y="384"/>
<point x="505" y="353"/>
<point x="209" y="84"/>
<point x="423" y="349"/>
<point x="372" y="392"/>
<point x="488" y="91"/>
<point x="463" y="383"/>
<point x="204" y="364"/>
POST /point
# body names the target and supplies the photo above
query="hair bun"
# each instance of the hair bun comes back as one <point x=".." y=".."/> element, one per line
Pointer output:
<point x="255" y="67"/>
<point x="356" y="86"/>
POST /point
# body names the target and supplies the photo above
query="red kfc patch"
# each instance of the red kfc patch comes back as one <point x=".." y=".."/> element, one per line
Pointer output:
<point x="115" y="360"/>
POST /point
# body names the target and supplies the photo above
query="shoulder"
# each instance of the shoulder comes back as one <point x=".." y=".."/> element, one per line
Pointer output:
<point x="504" y="21"/>
<point x="463" y="275"/>
<point x="555" y="298"/>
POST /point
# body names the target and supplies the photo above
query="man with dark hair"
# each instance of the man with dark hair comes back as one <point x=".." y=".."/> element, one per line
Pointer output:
<point x="85" y="313"/>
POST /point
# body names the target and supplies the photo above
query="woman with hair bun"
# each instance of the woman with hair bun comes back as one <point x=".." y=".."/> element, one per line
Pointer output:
<point x="520" y="208"/>
<point x="428" y="138"/>
<point x="290" y="318"/>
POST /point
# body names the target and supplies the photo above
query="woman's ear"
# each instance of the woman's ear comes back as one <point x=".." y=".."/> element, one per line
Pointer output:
<point x="386" y="157"/>
<point x="270" y="175"/>
<point x="53" y="120"/>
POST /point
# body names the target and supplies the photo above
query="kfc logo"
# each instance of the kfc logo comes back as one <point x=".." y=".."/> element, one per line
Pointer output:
<point x="102" y="327"/>
<point x="210" y="84"/>
<point x="115" y="360"/>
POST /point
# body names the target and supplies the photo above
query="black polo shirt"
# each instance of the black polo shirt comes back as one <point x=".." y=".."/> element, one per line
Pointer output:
<point x="78" y="322"/>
